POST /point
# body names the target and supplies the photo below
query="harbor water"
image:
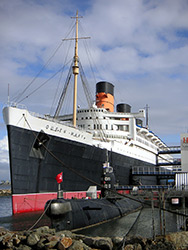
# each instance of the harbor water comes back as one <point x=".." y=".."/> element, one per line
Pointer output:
<point x="18" y="222"/>
<point x="145" y="223"/>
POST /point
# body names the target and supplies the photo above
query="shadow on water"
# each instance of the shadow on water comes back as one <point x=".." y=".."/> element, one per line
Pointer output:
<point x="118" y="227"/>
<point x="24" y="221"/>
<point x="5" y="206"/>
<point x="137" y="223"/>
<point x="19" y="222"/>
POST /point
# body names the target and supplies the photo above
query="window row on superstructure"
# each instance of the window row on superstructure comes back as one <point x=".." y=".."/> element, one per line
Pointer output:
<point x="97" y="126"/>
<point x="90" y="110"/>
<point x="144" y="141"/>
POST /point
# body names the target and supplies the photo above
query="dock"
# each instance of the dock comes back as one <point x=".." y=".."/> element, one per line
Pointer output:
<point x="5" y="192"/>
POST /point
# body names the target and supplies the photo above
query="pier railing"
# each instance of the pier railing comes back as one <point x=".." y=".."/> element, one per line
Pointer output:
<point x="173" y="162"/>
<point x="171" y="150"/>
<point x="153" y="171"/>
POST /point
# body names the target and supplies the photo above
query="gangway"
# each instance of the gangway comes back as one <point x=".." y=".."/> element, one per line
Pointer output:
<point x="142" y="187"/>
<point x="163" y="161"/>
<point x="171" y="150"/>
<point x="152" y="171"/>
<point x="175" y="162"/>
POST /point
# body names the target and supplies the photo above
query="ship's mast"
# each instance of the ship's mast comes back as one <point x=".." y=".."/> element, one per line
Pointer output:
<point x="75" y="72"/>
<point x="76" y="69"/>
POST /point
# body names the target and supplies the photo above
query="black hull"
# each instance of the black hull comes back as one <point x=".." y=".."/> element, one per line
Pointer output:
<point x="79" y="214"/>
<point x="34" y="170"/>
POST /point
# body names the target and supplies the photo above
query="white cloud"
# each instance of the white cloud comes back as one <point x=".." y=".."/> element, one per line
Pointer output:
<point x="139" y="46"/>
<point x="135" y="45"/>
<point x="4" y="159"/>
<point x="4" y="150"/>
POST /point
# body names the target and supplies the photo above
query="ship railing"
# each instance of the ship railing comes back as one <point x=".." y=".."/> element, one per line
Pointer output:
<point x="146" y="142"/>
<point x="152" y="171"/>
<point x="45" y="117"/>
<point x="170" y="150"/>
<point x="52" y="119"/>
<point x="142" y="187"/>
<point x="110" y="136"/>
<point x="174" y="147"/>
<point x="173" y="162"/>
<point x="15" y="105"/>
<point x="48" y="118"/>
<point x="177" y="168"/>
<point x="22" y="106"/>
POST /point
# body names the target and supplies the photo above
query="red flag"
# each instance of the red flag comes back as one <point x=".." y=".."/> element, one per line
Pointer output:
<point x="59" y="178"/>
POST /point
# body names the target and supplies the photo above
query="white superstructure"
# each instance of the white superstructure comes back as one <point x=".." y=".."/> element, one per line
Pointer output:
<point x="114" y="131"/>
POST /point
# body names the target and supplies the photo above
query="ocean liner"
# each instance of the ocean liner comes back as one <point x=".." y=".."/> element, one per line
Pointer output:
<point x="42" y="146"/>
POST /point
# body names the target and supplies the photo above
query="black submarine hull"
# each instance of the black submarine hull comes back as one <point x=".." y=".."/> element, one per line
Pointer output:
<point x="79" y="214"/>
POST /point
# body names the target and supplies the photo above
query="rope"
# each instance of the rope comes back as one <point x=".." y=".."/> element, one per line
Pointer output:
<point x="97" y="184"/>
<point x="62" y="163"/>
<point x="40" y="216"/>
<point x="102" y="222"/>
<point x="43" y="67"/>
<point x="61" y="75"/>
<point x="89" y="55"/>
<point x="124" y="238"/>
<point x="45" y="82"/>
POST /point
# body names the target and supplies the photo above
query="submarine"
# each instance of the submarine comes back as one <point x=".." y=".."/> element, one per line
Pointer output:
<point x="77" y="214"/>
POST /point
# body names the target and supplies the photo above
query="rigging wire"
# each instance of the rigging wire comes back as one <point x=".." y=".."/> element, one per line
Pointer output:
<point x="59" y="106"/>
<point x="131" y="227"/>
<point x="85" y="85"/>
<point x="45" y="82"/>
<point x="41" y="216"/>
<point x="61" y="100"/>
<point x="56" y="158"/>
<point x="67" y="108"/>
<point x="87" y="90"/>
<point x="94" y="182"/>
<point x="16" y="99"/>
<point x="32" y="81"/>
<point x="61" y="75"/>
<point x="90" y="58"/>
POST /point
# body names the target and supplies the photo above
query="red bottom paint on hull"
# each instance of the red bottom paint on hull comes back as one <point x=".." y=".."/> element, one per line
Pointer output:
<point x="23" y="203"/>
<point x="35" y="202"/>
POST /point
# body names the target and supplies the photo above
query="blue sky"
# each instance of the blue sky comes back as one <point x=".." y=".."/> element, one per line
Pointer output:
<point x="140" y="46"/>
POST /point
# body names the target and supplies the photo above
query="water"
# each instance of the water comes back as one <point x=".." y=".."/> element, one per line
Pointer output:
<point x="138" y="223"/>
<point x="135" y="224"/>
<point x="19" y="222"/>
<point x="5" y="206"/>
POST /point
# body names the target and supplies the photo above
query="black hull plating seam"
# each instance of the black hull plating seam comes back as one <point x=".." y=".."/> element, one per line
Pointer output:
<point x="31" y="174"/>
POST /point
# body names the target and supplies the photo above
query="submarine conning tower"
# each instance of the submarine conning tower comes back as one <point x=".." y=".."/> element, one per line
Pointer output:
<point x="105" y="96"/>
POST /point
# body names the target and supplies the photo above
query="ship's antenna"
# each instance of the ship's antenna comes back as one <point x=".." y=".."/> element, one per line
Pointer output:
<point x="8" y="94"/>
<point x="147" y="115"/>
